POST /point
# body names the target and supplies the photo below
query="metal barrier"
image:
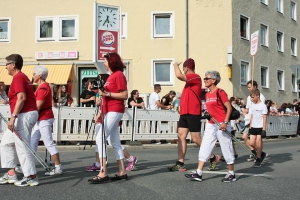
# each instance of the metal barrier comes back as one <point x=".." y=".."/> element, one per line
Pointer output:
<point x="73" y="124"/>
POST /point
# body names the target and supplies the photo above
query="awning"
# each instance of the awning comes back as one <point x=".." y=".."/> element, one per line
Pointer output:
<point x="58" y="74"/>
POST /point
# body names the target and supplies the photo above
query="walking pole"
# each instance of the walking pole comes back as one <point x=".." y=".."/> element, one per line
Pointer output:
<point x="41" y="161"/>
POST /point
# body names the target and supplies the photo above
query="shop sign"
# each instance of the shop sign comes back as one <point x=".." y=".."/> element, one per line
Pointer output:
<point x="54" y="55"/>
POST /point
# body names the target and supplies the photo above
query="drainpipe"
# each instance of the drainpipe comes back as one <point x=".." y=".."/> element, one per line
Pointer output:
<point x="187" y="28"/>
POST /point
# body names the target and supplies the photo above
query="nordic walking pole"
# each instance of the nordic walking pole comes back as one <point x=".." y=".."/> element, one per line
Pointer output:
<point x="41" y="161"/>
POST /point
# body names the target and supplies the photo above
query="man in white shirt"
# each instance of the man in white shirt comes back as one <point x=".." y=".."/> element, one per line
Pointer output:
<point x="247" y="117"/>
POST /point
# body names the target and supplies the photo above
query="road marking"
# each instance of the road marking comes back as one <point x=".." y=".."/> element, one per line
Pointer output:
<point x="238" y="174"/>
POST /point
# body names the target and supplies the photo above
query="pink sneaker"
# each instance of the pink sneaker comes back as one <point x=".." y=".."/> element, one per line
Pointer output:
<point x="92" y="168"/>
<point x="130" y="165"/>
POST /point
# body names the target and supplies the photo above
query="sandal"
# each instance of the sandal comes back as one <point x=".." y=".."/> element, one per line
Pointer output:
<point x="97" y="179"/>
<point x="117" y="177"/>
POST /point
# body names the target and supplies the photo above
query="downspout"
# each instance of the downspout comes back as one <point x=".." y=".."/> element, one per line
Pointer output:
<point x="187" y="28"/>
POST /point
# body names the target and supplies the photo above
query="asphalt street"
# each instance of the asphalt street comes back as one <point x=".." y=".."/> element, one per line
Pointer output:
<point x="278" y="178"/>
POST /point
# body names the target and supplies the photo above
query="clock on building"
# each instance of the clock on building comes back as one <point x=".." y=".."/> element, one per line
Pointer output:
<point x="108" y="17"/>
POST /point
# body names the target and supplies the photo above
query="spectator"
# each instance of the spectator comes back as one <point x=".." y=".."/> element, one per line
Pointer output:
<point x="289" y="109"/>
<point x="88" y="96"/>
<point x="273" y="109"/>
<point x="268" y="104"/>
<point x="54" y="94"/>
<point x="176" y="102"/>
<point x="297" y="111"/>
<point x="234" y="103"/>
<point x="3" y="96"/>
<point x="168" y="99"/>
<point x="282" y="109"/>
<point x="135" y="100"/>
<point x="63" y="96"/>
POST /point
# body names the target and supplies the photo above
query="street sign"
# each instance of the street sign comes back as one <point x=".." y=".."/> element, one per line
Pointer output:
<point x="107" y="43"/>
<point x="254" y="43"/>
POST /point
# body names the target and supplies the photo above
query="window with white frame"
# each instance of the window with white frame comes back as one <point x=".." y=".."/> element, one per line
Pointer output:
<point x="280" y="80"/>
<point x="57" y="28"/>
<point x="163" y="72"/>
<point x="244" y="27"/>
<point x="293" y="10"/>
<point x="280" y="41"/>
<point x="163" y="24"/>
<point x="4" y="30"/>
<point x="124" y="26"/>
<point x="294" y="83"/>
<point x="264" y="39"/>
<point x="279" y="6"/>
<point x="245" y="72"/>
<point x="264" y="76"/>
<point x="264" y="2"/>
<point x="293" y="46"/>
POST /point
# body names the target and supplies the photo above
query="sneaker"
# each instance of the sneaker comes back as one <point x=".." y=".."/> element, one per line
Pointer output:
<point x="257" y="163"/>
<point x="92" y="168"/>
<point x="28" y="181"/>
<point x="251" y="158"/>
<point x="54" y="171"/>
<point x="177" y="167"/>
<point x="6" y="178"/>
<point x="130" y="165"/>
<point x="158" y="143"/>
<point x="213" y="164"/>
<point x="18" y="169"/>
<point x="195" y="177"/>
<point x="263" y="156"/>
<point x="229" y="178"/>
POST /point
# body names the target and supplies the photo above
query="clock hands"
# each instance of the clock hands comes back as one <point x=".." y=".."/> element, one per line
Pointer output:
<point x="106" y="21"/>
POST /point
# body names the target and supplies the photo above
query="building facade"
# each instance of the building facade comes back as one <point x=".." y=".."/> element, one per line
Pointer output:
<point x="154" y="34"/>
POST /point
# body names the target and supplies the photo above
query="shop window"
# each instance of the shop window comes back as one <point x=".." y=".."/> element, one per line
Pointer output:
<point x="4" y="30"/>
<point x="163" y="72"/>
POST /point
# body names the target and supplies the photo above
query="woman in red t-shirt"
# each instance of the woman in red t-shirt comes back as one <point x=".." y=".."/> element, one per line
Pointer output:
<point x="42" y="128"/>
<point x="23" y="117"/>
<point x="114" y="94"/>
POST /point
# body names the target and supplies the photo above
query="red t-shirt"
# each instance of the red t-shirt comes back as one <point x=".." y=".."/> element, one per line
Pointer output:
<point x="43" y="93"/>
<point x="189" y="102"/>
<point x="115" y="83"/>
<point x="21" y="83"/>
<point x="214" y="106"/>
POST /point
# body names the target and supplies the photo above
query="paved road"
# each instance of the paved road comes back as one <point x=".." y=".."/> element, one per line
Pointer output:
<point x="278" y="178"/>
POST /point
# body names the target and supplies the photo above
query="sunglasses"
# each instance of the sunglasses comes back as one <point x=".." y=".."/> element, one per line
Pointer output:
<point x="205" y="79"/>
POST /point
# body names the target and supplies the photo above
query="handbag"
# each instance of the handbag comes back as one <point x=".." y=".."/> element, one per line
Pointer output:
<point x="235" y="114"/>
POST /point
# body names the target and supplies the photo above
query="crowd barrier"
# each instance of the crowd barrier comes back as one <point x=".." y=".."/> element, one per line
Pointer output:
<point x="75" y="124"/>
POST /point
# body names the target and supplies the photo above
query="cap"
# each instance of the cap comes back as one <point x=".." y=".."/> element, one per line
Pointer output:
<point x="189" y="63"/>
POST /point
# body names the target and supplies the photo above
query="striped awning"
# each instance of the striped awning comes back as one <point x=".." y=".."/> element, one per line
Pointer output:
<point x="58" y="74"/>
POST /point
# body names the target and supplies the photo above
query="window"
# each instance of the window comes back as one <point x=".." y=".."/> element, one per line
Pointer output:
<point x="264" y="76"/>
<point x="294" y="83"/>
<point x="280" y="80"/>
<point x="57" y="28"/>
<point x="293" y="46"/>
<point x="245" y="72"/>
<point x="244" y="27"/>
<point x="264" y="2"/>
<point x="124" y="26"/>
<point x="163" y="25"/>
<point x="4" y="30"/>
<point x="163" y="72"/>
<point x="293" y="11"/>
<point x="279" y="6"/>
<point x="264" y="40"/>
<point x="279" y="41"/>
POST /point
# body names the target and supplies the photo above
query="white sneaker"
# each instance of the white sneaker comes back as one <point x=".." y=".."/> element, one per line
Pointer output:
<point x="6" y="178"/>
<point x="19" y="170"/>
<point x="54" y="171"/>
<point x="27" y="181"/>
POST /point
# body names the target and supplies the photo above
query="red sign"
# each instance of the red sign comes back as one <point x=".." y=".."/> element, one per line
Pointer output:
<point x="107" y="43"/>
<point x="254" y="43"/>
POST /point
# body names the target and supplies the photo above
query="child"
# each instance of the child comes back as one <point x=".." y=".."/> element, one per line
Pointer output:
<point x="258" y="122"/>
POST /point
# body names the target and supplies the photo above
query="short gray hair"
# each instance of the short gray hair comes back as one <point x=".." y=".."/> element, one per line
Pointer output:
<point x="41" y="70"/>
<point x="214" y="75"/>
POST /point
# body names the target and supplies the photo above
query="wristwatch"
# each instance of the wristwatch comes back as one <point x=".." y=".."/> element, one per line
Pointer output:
<point x="15" y="116"/>
<point x="225" y="122"/>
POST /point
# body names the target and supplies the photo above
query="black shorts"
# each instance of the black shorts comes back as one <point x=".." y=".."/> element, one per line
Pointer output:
<point x="192" y="122"/>
<point x="255" y="131"/>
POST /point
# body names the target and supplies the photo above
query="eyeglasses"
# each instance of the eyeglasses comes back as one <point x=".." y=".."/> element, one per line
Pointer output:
<point x="205" y="79"/>
<point x="9" y="63"/>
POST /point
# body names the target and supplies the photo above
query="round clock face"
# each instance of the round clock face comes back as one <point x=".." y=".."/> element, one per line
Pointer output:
<point x="108" y="17"/>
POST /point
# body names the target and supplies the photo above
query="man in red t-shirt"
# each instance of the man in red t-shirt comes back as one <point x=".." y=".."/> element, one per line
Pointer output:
<point x="23" y="117"/>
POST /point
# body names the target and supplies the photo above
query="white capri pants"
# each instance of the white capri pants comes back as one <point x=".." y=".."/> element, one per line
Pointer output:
<point x="111" y="128"/>
<point x="211" y="135"/>
<point x="98" y="127"/>
<point x="42" y="129"/>
<point x="12" y="145"/>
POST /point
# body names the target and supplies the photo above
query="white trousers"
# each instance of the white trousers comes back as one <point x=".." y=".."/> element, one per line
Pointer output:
<point x="97" y="129"/>
<point x="42" y="129"/>
<point x="111" y="128"/>
<point x="211" y="135"/>
<point x="12" y="145"/>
